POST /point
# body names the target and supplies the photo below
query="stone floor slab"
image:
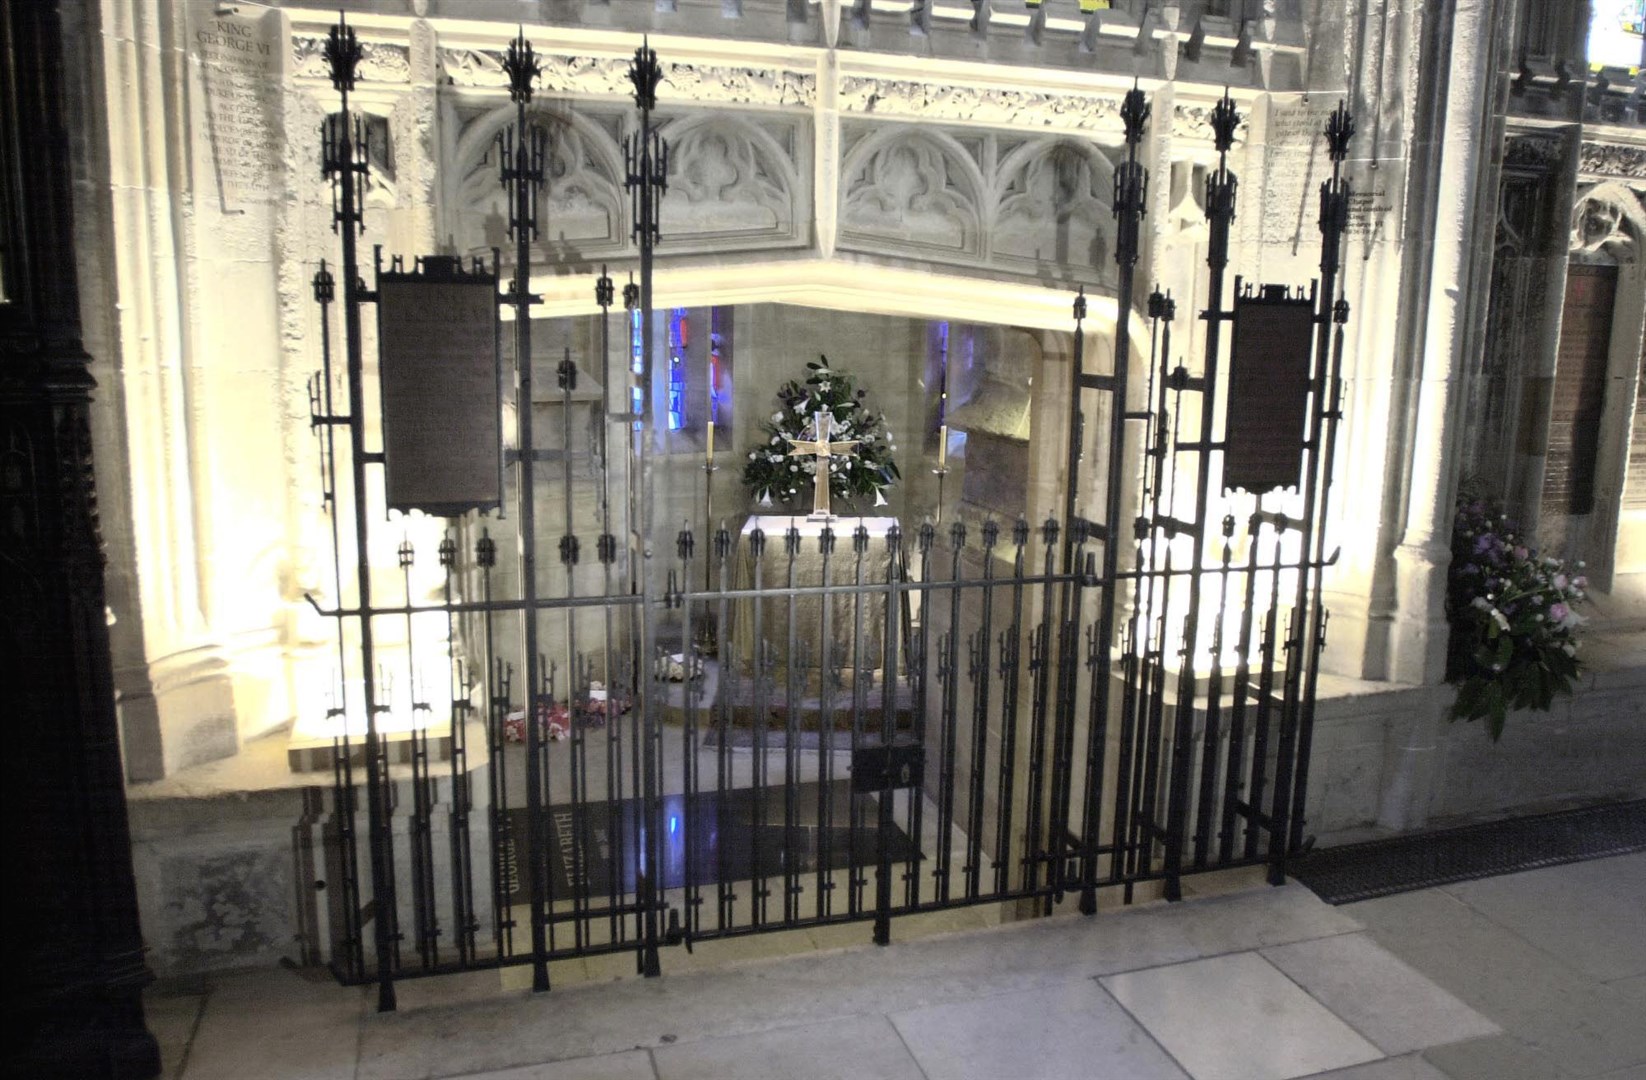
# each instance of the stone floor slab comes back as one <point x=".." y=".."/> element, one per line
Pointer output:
<point x="1633" y="1072"/>
<point x="1377" y="994"/>
<point x="855" y="1048"/>
<point x="1591" y="914"/>
<point x="1237" y="1017"/>
<point x="1259" y="918"/>
<point x="1405" y="1067"/>
<point x="1584" y="1024"/>
<point x="316" y="1035"/>
<point x="1052" y="1033"/>
<point x="630" y="1065"/>
<point x="171" y="1018"/>
<point x="1632" y="988"/>
<point x="1498" y="1057"/>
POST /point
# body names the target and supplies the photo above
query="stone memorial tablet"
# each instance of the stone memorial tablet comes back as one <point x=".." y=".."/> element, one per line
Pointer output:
<point x="1268" y="391"/>
<point x="1295" y="164"/>
<point x="239" y="75"/>
<point x="442" y="402"/>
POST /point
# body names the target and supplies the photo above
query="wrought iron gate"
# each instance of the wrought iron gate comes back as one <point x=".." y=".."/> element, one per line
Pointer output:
<point x="916" y="719"/>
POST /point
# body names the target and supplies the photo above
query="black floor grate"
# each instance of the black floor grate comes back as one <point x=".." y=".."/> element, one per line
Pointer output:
<point x="1401" y="864"/>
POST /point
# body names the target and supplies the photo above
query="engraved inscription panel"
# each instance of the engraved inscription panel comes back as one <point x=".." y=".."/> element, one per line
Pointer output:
<point x="1268" y="394"/>
<point x="238" y="74"/>
<point x="1296" y="164"/>
<point x="442" y="416"/>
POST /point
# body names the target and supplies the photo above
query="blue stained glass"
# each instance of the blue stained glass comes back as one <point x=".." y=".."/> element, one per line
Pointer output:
<point x="637" y="363"/>
<point x="678" y="330"/>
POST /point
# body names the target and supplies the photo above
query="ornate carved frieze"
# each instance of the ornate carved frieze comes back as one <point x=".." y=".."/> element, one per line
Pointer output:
<point x="380" y="61"/>
<point x="561" y="74"/>
<point x="1612" y="159"/>
<point x="742" y="85"/>
<point x="1533" y="152"/>
<point x="603" y="76"/>
<point x="911" y="99"/>
<point x="1195" y="122"/>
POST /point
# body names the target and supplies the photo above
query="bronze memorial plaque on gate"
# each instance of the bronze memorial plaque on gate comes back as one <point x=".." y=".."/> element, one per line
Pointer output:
<point x="1268" y="391"/>
<point x="442" y="398"/>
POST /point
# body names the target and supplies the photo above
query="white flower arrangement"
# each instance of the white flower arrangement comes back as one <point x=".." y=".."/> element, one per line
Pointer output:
<point x="868" y="471"/>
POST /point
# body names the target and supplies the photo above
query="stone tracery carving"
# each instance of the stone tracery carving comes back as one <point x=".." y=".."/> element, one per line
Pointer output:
<point x="999" y="107"/>
<point x="1055" y="206"/>
<point x="910" y="190"/>
<point x="725" y="180"/>
<point x="583" y="204"/>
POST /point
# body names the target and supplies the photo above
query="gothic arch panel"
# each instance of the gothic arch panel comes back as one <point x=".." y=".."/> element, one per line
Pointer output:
<point x="584" y="211"/>
<point x="905" y="191"/>
<point x="731" y="185"/>
<point x="1054" y="208"/>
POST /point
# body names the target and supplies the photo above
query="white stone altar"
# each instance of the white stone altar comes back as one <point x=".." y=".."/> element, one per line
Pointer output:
<point x="857" y="622"/>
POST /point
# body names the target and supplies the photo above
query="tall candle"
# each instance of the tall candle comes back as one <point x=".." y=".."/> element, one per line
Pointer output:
<point x="943" y="446"/>
<point x="710" y="453"/>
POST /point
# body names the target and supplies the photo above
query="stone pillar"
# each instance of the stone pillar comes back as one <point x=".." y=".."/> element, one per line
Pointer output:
<point x="1455" y="131"/>
<point x="74" y="952"/>
<point x="1453" y="316"/>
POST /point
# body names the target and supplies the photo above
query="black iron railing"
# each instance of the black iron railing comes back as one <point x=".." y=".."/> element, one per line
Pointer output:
<point x="731" y="734"/>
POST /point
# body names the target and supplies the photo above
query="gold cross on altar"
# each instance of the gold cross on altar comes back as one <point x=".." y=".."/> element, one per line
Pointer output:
<point x="823" y="450"/>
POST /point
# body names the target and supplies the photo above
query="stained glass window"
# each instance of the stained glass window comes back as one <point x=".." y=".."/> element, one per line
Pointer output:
<point x="679" y="335"/>
<point x="1617" y="31"/>
<point x="637" y="361"/>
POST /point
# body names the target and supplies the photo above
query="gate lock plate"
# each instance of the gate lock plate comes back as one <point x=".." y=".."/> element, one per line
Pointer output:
<point x="886" y="768"/>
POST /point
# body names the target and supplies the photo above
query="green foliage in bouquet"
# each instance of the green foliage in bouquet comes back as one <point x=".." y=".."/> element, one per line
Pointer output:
<point x="1513" y="643"/>
<point x="771" y="475"/>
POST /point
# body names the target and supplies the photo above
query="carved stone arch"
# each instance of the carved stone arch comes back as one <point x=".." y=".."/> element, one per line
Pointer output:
<point x="583" y="212"/>
<point x="914" y="192"/>
<point x="1608" y="225"/>
<point x="1054" y="209"/>
<point x="730" y="184"/>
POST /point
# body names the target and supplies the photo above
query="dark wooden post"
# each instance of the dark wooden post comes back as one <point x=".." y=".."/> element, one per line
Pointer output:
<point x="73" y="951"/>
